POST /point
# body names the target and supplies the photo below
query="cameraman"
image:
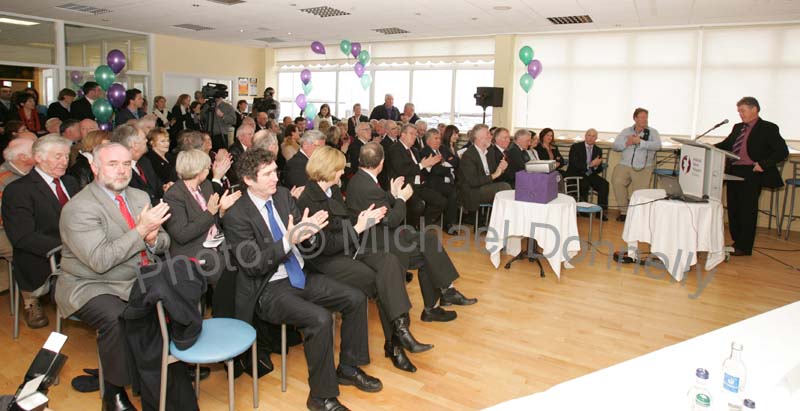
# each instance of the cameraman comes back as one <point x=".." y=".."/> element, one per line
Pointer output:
<point x="638" y="144"/>
<point x="219" y="116"/>
<point x="268" y="105"/>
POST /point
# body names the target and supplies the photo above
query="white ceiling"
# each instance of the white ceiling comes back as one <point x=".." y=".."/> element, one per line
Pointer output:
<point x="242" y="23"/>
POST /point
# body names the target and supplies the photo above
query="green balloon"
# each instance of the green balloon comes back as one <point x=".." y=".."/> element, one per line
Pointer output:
<point x="344" y="46"/>
<point x="526" y="82"/>
<point x="102" y="109"/>
<point x="366" y="81"/>
<point x="310" y="111"/>
<point x="104" y="76"/>
<point x="308" y="87"/>
<point x="363" y="57"/>
<point x="526" y="54"/>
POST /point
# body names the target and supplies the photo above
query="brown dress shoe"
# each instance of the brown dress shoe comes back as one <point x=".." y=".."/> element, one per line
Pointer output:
<point x="35" y="316"/>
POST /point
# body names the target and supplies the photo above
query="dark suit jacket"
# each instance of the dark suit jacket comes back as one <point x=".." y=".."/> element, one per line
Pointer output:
<point x="153" y="185"/>
<point x="435" y="178"/>
<point x="351" y="124"/>
<point x="401" y="164"/>
<point x="471" y="176"/>
<point x="124" y="115"/>
<point x="57" y="110"/>
<point x="380" y="113"/>
<point x="189" y="224"/>
<point x="497" y="155"/>
<point x="81" y="109"/>
<point x="544" y="155"/>
<point x="340" y="236"/>
<point x="294" y="174"/>
<point x="764" y="146"/>
<point x="181" y="120"/>
<point x="413" y="119"/>
<point x="353" y="152"/>
<point x="81" y="171"/>
<point x="163" y="168"/>
<point x="516" y="161"/>
<point x="31" y="214"/>
<point x="236" y="150"/>
<point x="362" y="192"/>
<point x="577" y="159"/>
<point x="256" y="254"/>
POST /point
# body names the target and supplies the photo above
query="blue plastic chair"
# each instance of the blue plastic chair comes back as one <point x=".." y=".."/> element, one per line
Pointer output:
<point x="221" y="339"/>
<point x="572" y="187"/>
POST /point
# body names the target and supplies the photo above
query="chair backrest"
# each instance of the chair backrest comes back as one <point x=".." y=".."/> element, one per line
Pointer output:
<point x="572" y="186"/>
<point x="162" y="325"/>
<point x="55" y="264"/>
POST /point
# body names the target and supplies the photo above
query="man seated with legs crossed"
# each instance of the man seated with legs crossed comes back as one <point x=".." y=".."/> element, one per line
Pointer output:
<point x="271" y="285"/>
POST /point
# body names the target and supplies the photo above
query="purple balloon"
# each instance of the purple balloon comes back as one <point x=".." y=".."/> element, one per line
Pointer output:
<point x="79" y="92"/>
<point x="359" y="68"/>
<point x="535" y="68"/>
<point x="305" y="76"/>
<point x="105" y="126"/>
<point x="301" y="101"/>
<point x="115" y="60"/>
<point x="116" y="95"/>
<point x="309" y="124"/>
<point x="317" y="47"/>
<point x="355" y="48"/>
<point x="76" y="77"/>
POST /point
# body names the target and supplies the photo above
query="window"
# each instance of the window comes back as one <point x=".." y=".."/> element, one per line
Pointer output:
<point x="433" y="92"/>
<point x="394" y="83"/>
<point x="351" y="92"/>
<point x="27" y="40"/>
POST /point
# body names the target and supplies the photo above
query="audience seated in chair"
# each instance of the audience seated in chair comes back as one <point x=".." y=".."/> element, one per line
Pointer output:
<point x="479" y="173"/>
<point x="586" y="161"/>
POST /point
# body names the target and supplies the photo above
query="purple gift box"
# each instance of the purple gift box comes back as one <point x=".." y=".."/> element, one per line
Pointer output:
<point x="536" y="187"/>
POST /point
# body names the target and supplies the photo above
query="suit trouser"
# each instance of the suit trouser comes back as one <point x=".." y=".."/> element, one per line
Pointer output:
<point x="308" y="309"/>
<point x="625" y="180"/>
<point x="425" y="252"/>
<point x="102" y="313"/>
<point x="742" y="199"/>
<point x="450" y="216"/>
<point x="596" y="182"/>
<point x="434" y="205"/>
<point x="486" y="193"/>
<point x="379" y="275"/>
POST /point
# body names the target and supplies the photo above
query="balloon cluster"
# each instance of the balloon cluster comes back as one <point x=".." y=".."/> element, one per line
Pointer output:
<point x="534" y="68"/>
<point x="363" y="58"/>
<point x="105" y="75"/>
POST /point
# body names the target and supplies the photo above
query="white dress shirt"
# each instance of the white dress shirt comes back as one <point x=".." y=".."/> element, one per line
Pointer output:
<point x="260" y="204"/>
<point x="49" y="180"/>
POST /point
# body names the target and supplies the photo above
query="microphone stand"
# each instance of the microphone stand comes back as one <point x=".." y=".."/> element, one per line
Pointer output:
<point x="710" y="130"/>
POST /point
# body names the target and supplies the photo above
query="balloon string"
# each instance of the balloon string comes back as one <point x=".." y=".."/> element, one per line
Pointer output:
<point x="527" y="112"/>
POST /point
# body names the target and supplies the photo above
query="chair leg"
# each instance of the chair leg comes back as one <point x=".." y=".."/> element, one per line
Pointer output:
<point x="591" y="217"/>
<point x="283" y="357"/>
<point x="600" y="237"/>
<point x="162" y="394"/>
<point x="229" y="365"/>
<point x="255" y="375"/>
<point x="14" y="293"/>
<point x="10" y="289"/>
<point x="460" y="215"/>
<point x="791" y="213"/>
<point x="783" y="209"/>
<point x="477" y="215"/>
<point x="771" y="211"/>
<point x="58" y="322"/>
<point x="197" y="381"/>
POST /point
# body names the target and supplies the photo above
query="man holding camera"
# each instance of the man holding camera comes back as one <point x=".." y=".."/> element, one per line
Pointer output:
<point x="268" y="104"/>
<point x="218" y="114"/>
<point x="638" y="144"/>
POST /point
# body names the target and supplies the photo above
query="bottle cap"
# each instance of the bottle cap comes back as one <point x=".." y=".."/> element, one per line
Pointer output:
<point x="748" y="403"/>
<point x="701" y="373"/>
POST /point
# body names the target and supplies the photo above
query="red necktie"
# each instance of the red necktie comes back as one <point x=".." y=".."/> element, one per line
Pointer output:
<point x="123" y="208"/>
<point x="62" y="196"/>
<point x="141" y="173"/>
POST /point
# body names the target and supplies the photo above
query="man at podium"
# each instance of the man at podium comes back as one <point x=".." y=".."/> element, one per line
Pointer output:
<point x="760" y="147"/>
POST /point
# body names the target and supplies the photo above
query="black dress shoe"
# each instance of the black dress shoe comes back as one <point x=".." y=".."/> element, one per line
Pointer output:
<point x="739" y="253"/>
<point x="438" y="314"/>
<point x="605" y="217"/>
<point x="621" y="218"/>
<point x="402" y="336"/>
<point x="360" y="380"/>
<point x="325" y="404"/>
<point x="204" y="372"/>
<point x="244" y="364"/>
<point x="118" y="402"/>
<point x="451" y="296"/>
<point x="399" y="358"/>
<point x="409" y="276"/>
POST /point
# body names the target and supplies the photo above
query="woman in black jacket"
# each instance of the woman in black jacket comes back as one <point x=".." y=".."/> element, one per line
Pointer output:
<point x="181" y="116"/>
<point x="158" y="142"/>
<point x="60" y="109"/>
<point x="379" y="274"/>
<point x="82" y="169"/>
<point x="547" y="149"/>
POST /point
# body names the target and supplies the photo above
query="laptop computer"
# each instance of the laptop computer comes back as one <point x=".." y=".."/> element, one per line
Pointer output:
<point x="674" y="192"/>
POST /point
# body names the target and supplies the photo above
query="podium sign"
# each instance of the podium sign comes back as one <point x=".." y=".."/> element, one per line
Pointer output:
<point x="702" y="169"/>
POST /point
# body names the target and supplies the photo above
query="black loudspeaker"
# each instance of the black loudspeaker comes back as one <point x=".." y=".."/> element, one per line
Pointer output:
<point x="489" y="97"/>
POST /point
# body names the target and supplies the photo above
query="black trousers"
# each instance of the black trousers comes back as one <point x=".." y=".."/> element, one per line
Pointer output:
<point x="742" y="199"/>
<point x="310" y="310"/>
<point x="425" y="202"/>
<point x="102" y="313"/>
<point x="450" y="193"/>
<point x="597" y="183"/>
<point x="425" y="252"/>
<point x="379" y="275"/>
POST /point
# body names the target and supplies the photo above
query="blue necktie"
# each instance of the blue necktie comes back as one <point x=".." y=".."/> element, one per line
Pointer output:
<point x="296" y="276"/>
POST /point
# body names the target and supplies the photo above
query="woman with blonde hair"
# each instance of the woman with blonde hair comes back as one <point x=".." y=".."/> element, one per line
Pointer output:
<point x="158" y="141"/>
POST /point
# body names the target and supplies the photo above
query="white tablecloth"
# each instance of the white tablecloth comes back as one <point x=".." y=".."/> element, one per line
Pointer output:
<point x="676" y="230"/>
<point x="660" y="380"/>
<point x="511" y="220"/>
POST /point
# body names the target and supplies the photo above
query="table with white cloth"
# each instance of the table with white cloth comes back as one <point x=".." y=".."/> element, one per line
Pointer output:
<point x="661" y="379"/>
<point x="676" y="230"/>
<point x="512" y="220"/>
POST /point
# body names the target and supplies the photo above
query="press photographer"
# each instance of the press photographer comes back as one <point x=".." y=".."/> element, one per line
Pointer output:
<point x="218" y="115"/>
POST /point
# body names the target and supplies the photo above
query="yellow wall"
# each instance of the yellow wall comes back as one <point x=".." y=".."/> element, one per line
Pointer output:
<point x="504" y="77"/>
<point x="181" y="55"/>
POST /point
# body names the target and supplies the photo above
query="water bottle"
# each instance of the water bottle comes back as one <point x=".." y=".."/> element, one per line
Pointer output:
<point x="734" y="378"/>
<point x="699" y="396"/>
<point x="749" y="404"/>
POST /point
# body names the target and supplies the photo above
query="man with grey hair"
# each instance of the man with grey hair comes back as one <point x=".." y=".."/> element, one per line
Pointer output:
<point x="586" y="161"/>
<point x="410" y="115"/>
<point x="518" y="153"/>
<point x="19" y="162"/>
<point x="31" y="210"/>
<point x="363" y="136"/>
<point x="479" y="173"/>
<point x="244" y="140"/>
<point x="53" y="125"/>
<point x="294" y="175"/>
<point x="144" y="176"/>
<point x="386" y="111"/>
<point x="422" y="128"/>
<point x="262" y="121"/>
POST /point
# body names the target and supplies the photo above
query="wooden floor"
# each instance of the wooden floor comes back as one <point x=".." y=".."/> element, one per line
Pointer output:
<point x="525" y="335"/>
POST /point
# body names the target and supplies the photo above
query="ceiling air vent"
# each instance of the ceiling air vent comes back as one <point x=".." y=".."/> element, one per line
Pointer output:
<point x="391" y="30"/>
<point x="271" y="40"/>
<point x="227" y="2"/>
<point x="570" y="19"/>
<point x="194" y="27"/>
<point x="83" y="9"/>
<point x="325" y="11"/>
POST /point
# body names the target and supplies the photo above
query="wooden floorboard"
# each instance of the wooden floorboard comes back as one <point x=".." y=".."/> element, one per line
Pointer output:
<point x="525" y="335"/>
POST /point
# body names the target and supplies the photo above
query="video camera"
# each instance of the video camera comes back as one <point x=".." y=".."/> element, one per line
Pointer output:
<point x="214" y="91"/>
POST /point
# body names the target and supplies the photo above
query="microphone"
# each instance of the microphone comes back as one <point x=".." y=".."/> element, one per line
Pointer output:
<point x="721" y="123"/>
<point x="716" y="126"/>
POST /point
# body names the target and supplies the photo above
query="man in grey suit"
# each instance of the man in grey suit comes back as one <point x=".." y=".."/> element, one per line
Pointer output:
<point x="108" y="230"/>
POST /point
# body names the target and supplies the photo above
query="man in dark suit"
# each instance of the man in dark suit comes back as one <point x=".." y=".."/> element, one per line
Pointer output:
<point x="409" y="115"/>
<point x="415" y="250"/>
<point x="272" y="286"/>
<point x="132" y="108"/>
<point x="363" y="136"/>
<point x="478" y="174"/>
<point x="144" y="176"/>
<point x="355" y="120"/>
<point x="244" y="141"/>
<point x="386" y="111"/>
<point x="501" y="141"/>
<point x="31" y="211"/>
<point x="586" y="161"/>
<point x="518" y="153"/>
<point x="442" y="177"/>
<point x="262" y="121"/>
<point x="392" y="133"/>
<point x="294" y="175"/>
<point x="82" y="108"/>
<point x="405" y="161"/>
<point x="760" y="147"/>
